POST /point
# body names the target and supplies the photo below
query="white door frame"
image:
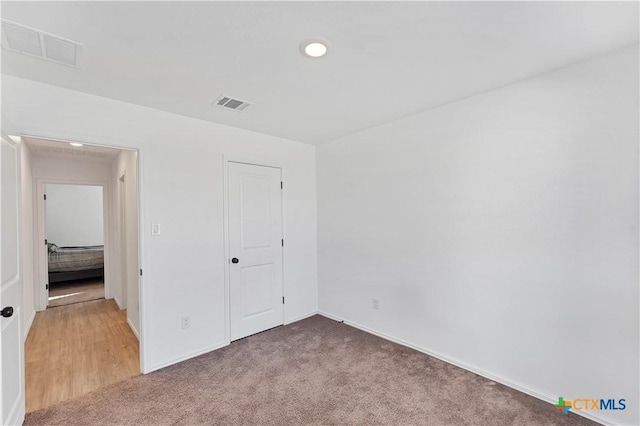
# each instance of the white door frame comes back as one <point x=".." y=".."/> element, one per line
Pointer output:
<point x="143" y="338"/>
<point x="42" y="275"/>
<point x="226" y="159"/>
<point x="122" y="196"/>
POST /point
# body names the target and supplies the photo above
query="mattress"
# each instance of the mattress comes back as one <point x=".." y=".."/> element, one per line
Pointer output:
<point x="65" y="259"/>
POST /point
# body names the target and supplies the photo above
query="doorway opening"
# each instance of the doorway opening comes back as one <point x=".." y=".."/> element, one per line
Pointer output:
<point x="74" y="229"/>
<point x="86" y="262"/>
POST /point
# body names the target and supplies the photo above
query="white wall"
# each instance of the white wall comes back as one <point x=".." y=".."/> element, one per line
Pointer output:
<point x="182" y="189"/>
<point x="28" y="296"/>
<point x="126" y="164"/>
<point x="500" y="231"/>
<point x="63" y="169"/>
<point x="74" y="215"/>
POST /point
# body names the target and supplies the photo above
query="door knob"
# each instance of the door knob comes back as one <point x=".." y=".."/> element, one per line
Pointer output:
<point x="234" y="260"/>
<point x="7" y="312"/>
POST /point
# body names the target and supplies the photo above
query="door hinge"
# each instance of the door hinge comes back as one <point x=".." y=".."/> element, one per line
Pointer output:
<point x="140" y="272"/>
<point x="283" y="300"/>
<point x="281" y="185"/>
<point x="283" y="242"/>
<point x="45" y="197"/>
<point x="46" y="286"/>
<point x="45" y="242"/>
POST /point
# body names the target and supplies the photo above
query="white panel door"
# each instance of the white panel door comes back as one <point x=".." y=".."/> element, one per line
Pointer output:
<point x="11" y="350"/>
<point x="255" y="249"/>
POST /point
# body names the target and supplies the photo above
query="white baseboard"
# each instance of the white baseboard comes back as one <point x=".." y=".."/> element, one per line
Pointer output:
<point x="17" y="416"/>
<point x="300" y="318"/>
<point x="186" y="357"/>
<point x="333" y="317"/>
<point x="32" y="316"/>
<point x="115" y="299"/>
<point x="464" y="366"/>
<point x="206" y="350"/>
<point x="133" y="329"/>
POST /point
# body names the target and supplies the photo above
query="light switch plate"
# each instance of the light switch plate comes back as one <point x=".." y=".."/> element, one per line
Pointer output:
<point x="155" y="229"/>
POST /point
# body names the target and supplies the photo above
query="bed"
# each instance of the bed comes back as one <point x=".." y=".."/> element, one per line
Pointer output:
<point x="75" y="263"/>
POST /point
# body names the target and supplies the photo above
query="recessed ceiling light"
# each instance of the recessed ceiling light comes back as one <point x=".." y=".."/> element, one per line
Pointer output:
<point x="314" y="48"/>
<point x="76" y="144"/>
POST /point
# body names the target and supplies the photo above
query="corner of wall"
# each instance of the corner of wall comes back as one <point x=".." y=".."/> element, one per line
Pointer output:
<point x="120" y="306"/>
<point x="133" y="329"/>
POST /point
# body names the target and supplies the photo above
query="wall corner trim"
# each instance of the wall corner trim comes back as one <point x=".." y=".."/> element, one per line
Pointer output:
<point x="32" y="316"/>
<point x="115" y="298"/>
<point x="133" y="329"/>
<point x="184" y="358"/>
<point x="300" y="318"/>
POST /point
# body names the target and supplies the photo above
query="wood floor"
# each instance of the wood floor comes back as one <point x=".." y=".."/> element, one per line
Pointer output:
<point x="75" y="349"/>
<point x="68" y="292"/>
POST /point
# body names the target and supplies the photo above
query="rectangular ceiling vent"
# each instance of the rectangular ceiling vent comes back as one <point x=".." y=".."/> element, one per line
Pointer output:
<point x="230" y="103"/>
<point x="32" y="42"/>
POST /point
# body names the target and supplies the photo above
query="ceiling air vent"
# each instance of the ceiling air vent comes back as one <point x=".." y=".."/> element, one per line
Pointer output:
<point x="32" y="42"/>
<point x="230" y="103"/>
<point x="21" y="39"/>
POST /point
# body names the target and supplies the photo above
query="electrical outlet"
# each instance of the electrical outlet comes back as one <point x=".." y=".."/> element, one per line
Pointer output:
<point x="186" y="322"/>
<point x="375" y="303"/>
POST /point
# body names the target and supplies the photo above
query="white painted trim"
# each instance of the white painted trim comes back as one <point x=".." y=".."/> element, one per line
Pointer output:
<point x="133" y="329"/>
<point x="209" y="349"/>
<point x="39" y="253"/>
<point x="32" y="316"/>
<point x="225" y="260"/>
<point x="252" y="161"/>
<point x="186" y="357"/>
<point x="143" y="321"/>
<point x="18" y="414"/>
<point x="84" y="142"/>
<point x="300" y="318"/>
<point x="120" y="194"/>
<point x="335" y="318"/>
<point x="142" y="219"/>
<point x="121" y="220"/>
<point x="41" y="182"/>
<point x="226" y="159"/>
<point x="457" y="363"/>
<point x="115" y="299"/>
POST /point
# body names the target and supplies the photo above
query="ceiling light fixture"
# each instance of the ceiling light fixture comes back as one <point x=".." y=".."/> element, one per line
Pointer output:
<point x="314" y="48"/>
<point x="76" y="144"/>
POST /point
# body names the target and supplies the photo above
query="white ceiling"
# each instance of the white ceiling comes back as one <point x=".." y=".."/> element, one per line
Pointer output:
<point x="56" y="149"/>
<point x="387" y="59"/>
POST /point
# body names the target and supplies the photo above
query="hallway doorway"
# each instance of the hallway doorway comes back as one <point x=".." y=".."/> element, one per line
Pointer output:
<point x="85" y="334"/>
<point x="75" y="235"/>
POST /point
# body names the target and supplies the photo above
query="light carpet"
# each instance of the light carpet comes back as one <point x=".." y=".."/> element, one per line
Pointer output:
<point x="315" y="371"/>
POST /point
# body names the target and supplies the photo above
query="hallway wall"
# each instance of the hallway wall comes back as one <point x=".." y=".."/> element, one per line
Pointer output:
<point x="127" y="163"/>
<point x="182" y="178"/>
<point x="29" y="278"/>
<point x="74" y="215"/>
